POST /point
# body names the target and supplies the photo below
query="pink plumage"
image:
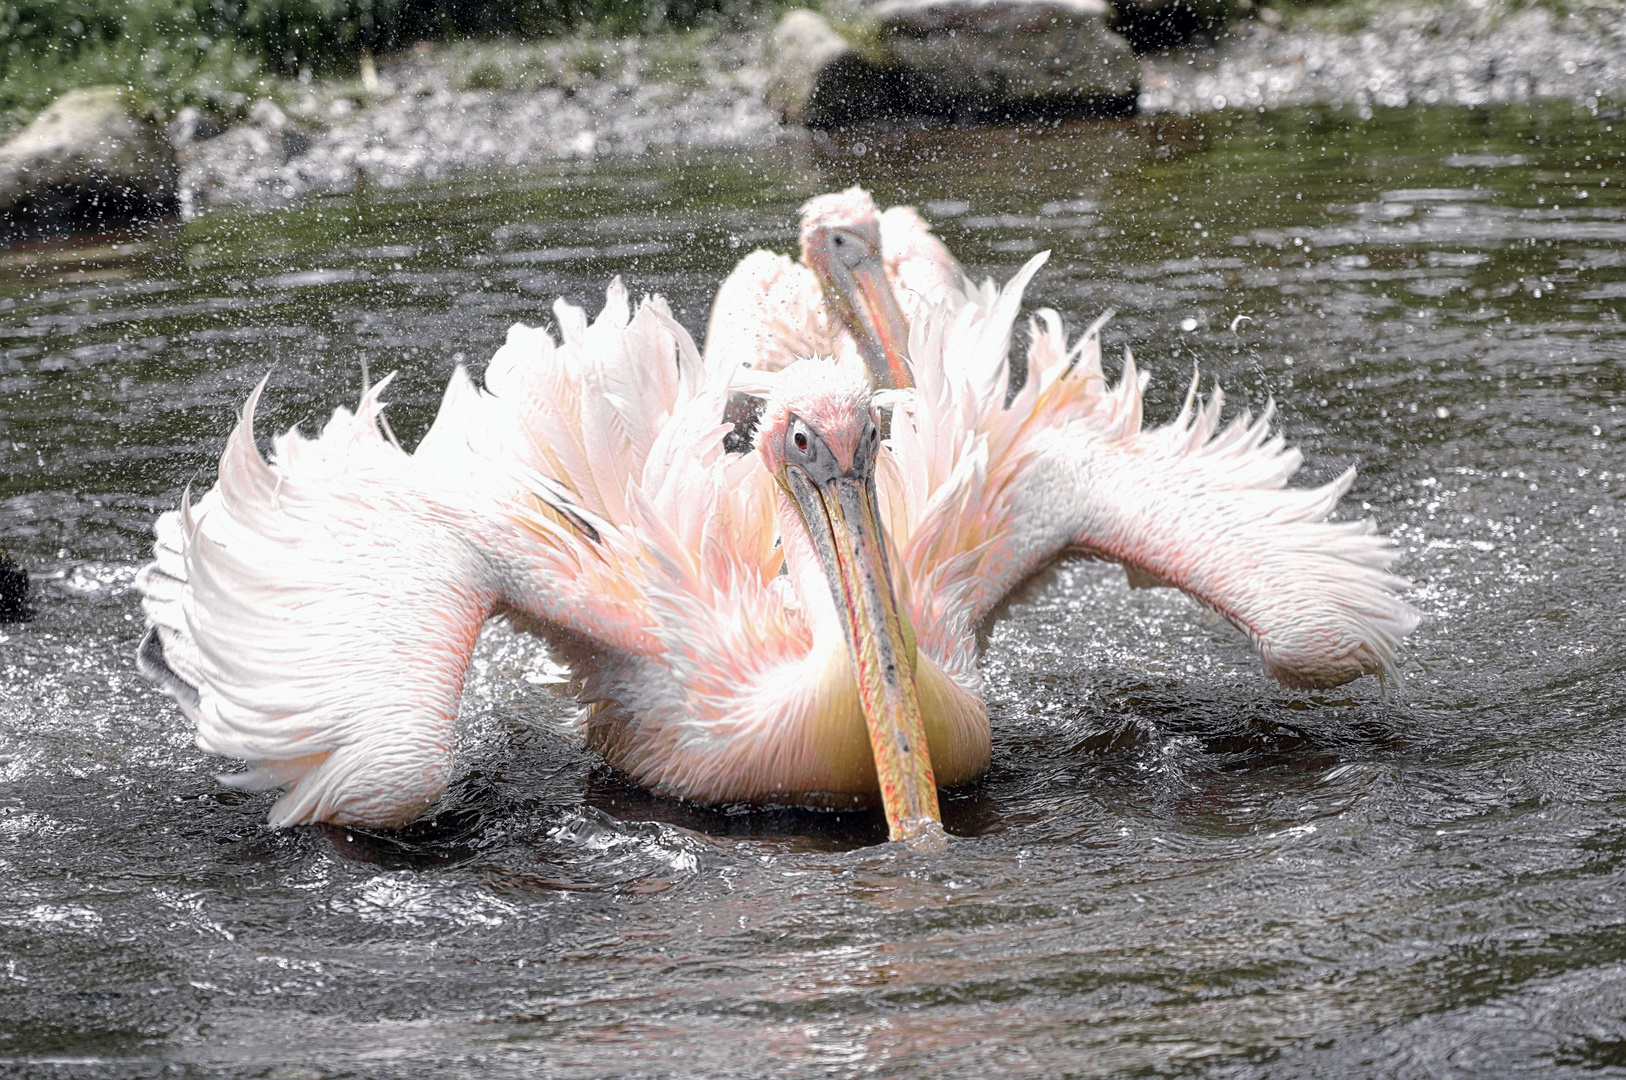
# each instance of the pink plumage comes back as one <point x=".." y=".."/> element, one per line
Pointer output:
<point x="314" y="615"/>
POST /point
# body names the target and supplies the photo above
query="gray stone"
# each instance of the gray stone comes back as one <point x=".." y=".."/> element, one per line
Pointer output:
<point x="89" y="161"/>
<point x="256" y="153"/>
<point x="1016" y="56"/>
<point x="266" y="114"/>
<point x="961" y="59"/>
<point x="287" y="140"/>
<point x="191" y="125"/>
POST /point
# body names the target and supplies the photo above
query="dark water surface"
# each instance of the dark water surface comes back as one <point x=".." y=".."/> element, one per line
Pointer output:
<point x="1173" y="867"/>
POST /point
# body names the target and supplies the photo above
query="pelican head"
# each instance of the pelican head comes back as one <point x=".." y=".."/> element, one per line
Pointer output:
<point x="820" y="438"/>
<point x="841" y="244"/>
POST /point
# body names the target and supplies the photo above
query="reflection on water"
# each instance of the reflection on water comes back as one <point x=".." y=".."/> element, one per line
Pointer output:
<point x="1172" y="866"/>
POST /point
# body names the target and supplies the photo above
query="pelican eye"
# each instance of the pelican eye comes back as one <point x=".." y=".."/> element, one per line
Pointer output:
<point x="848" y="248"/>
<point x="802" y="438"/>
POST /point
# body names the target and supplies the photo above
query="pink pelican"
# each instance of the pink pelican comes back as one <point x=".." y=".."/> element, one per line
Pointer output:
<point x="315" y="615"/>
<point x="864" y="276"/>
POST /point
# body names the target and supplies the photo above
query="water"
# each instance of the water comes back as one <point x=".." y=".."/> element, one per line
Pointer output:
<point x="1173" y="866"/>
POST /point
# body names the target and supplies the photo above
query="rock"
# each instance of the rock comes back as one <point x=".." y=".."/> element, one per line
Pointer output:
<point x="90" y="161"/>
<point x="959" y="59"/>
<point x="1013" y="58"/>
<point x="191" y="125"/>
<point x="1153" y="25"/>
<point x="272" y="128"/>
<point x="817" y="79"/>
<point x="266" y="114"/>
<point x="254" y="155"/>
<point x="13" y="590"/>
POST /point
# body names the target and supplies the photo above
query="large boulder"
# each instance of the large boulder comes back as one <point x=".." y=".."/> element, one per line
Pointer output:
<point x="964" y="59"/>
<point x="1012" y="57"/>
<point x="90" y="161"/>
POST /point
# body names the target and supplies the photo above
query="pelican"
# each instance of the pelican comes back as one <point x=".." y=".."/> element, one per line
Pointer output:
<point x="864" y="276"/>
<point x="793" y="624"/>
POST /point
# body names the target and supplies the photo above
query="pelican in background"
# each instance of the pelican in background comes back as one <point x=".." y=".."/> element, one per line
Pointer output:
<point x="864" y="276"/>
<point x="315" y="616"/>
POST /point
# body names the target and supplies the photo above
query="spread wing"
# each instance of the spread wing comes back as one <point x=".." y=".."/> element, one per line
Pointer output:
<point x="314" y="615"/>
<point x="986" y="495"/>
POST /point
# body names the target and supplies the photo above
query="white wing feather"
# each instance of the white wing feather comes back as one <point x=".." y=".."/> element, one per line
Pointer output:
<point x="769" y="313"/>
<point x="983" y="495"/>
<point x="315" y="621"/>
<point x="314" y="615"/>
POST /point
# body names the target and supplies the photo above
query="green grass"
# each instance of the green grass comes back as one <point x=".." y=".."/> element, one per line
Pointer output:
<point x="484" y="65"/>
<point x="160" y="48"/>
<point x="222" y="54"/>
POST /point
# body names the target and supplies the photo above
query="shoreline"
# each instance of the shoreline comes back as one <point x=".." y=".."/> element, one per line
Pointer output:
<point x="439" y="111"/>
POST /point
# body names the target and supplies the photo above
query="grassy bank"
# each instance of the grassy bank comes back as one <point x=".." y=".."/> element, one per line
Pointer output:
<point x="221" y="54"/>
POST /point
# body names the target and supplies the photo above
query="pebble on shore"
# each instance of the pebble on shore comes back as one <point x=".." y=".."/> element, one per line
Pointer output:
<point x="1461" y="53"/>
<point x="439" y="111"/>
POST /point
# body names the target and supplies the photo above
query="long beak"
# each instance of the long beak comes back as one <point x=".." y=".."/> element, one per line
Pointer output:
<point x="845" y="526"/>
<point x="884" y="339"/>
